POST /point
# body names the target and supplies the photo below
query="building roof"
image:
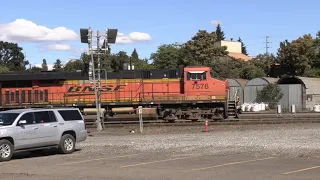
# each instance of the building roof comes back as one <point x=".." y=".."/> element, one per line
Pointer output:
<point x="312" y="85"/>
<point x="242" y="82"/>
<point x="261" y="81"/>
<point x="240" y="56"/>
<point x="237" y="82"/>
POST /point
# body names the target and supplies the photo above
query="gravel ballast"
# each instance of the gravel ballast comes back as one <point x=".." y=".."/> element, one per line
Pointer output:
<point x="293" y="140"/>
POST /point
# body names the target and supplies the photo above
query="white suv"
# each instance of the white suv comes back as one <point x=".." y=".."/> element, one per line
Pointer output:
<point x="37" y="129"/>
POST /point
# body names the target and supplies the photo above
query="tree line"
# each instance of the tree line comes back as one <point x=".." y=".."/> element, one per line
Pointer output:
<point x="299" y="57"/>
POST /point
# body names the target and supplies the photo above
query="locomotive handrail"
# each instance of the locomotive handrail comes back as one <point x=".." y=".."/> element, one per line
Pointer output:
<point x="235" y="96"/>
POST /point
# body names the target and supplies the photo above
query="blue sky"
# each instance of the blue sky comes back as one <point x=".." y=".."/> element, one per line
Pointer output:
<point x="165" y="21"/>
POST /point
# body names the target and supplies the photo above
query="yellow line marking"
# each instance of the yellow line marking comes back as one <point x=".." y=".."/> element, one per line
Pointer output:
<point x="232" y="163"/>
<point x="151" y="162"/>
<point x="98" y="159"/>
<point x="314" y="167"/>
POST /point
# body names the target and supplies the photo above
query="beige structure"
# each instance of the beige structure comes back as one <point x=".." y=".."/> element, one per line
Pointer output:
<point x="234" y="48"/>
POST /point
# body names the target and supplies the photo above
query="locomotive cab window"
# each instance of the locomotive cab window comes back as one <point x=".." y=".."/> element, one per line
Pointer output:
<point x="197" y="75"/>
<point x="212" y="74"/>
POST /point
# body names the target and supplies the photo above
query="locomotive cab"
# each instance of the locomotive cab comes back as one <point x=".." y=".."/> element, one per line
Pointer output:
<point x="199" y="81"/>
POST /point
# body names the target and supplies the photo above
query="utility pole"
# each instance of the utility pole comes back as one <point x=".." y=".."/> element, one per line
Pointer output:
<point x="100" y="114"/>
<point x="267" y="42"/>
<point x="86" y="37"/>
<point x="92" y="77"/>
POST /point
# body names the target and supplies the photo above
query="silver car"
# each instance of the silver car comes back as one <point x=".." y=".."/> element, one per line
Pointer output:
<point x="38" y="129"/>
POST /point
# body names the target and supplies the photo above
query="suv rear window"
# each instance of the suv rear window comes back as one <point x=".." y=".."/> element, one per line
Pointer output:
<point x="70" y="115"/>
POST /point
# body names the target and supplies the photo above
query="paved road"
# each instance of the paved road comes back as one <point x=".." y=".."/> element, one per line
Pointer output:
<point x="151" y="165"/>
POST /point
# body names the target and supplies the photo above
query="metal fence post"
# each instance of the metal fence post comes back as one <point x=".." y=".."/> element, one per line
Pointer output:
<point x="279" y="110"/>
<point x="140" y="118"/>
<point x="293" y="109"/>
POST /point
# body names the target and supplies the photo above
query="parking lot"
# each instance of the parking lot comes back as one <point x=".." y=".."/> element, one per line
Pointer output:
<point x="226" y="152"/>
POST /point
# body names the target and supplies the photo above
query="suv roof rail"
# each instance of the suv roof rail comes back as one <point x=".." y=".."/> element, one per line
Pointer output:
<point x="51" y="107"/>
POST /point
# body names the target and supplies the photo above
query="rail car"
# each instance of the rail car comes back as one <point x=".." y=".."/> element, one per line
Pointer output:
<point x="189" y="93"/>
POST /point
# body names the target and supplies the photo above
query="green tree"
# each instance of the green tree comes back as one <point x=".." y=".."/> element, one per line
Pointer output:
<point x="317" y="41"/>
<point x="243" y="47"/>
<point x="166" y="56"/>
<point x="226" y="67"/>
<point x="316" y="61"/>
<point x="44" y="65"/>
<point x="134" y="58"/>
<point x="219" y="33"/>
<point x="12" y="57"/>
<point x="118" y="60"/>
<point x="250" y="71"/>
<point x="202" y="50"/>
<point x="298" y="54"/>
<point x="314" y="73"/>
<point x="4" y="69"/>
<point x="35" y="69"/>
<point x="134" y="54"/>
<point x="73" y="65"/>
<point x="270" y="94"/>
<point x="264" y="62"/>
<point x="57" y="65"/>
<point x="106" y="62"/>
<point x="143" y="64"/>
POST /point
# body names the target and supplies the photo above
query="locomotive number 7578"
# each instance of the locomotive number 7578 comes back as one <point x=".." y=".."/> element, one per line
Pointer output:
<point x="200" y="86"/>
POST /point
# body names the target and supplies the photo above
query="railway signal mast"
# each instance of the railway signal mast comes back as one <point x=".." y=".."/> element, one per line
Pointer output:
<point x="109" y="38"/>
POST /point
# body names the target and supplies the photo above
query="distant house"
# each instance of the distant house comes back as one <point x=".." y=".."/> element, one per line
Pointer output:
<point x="234" y="49"/>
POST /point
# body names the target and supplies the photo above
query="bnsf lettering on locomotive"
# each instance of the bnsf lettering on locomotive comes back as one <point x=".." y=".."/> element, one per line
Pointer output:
<point x="87" y="88"/>
<point x="74" y="89"/>
<point x="106" y="88"/>
<point x="91" y="89"/>
<point x="119" y="87"/>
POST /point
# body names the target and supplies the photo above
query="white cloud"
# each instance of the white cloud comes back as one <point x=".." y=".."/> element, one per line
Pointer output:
<point x="50" y="66"/>
<point x="22" y="30"/>
<point x="81" y="50"/>
<point x="215" y="22"/>
<point x="132" y="37"/>
<point x="57" y="47"/>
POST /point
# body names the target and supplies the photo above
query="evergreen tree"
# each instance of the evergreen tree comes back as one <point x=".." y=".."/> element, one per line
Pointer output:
<point x="134" y="58"/>
<point x="57" y="65"/>
<point x="135" y="55"/>
<point x="243" y="47"/>
<point x="44" y="65"/>
<point x="219" y="33"/>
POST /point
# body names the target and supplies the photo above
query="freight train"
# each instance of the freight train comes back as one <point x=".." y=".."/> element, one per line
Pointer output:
<point x="189" y="93"/>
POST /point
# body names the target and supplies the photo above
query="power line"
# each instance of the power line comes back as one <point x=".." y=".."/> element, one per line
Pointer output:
<point x="267" y="42"/>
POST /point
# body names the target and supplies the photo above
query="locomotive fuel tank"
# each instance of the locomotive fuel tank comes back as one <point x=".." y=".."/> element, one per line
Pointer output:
<point x="123" y="110"/>
<point x="92" y="111"/>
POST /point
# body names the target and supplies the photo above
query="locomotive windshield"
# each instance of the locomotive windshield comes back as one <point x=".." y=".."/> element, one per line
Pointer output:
<point x="211" y="74"/>
<point x="7" y="119"/>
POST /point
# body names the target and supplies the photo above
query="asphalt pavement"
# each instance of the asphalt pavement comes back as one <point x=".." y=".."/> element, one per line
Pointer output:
<point x="150" y="165"/>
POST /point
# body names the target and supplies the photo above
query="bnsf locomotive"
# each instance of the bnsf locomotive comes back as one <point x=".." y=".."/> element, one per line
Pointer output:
<point x="189" y="93"/>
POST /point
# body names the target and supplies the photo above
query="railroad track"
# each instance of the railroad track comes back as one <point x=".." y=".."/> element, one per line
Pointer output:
<point x="241" y="121"/>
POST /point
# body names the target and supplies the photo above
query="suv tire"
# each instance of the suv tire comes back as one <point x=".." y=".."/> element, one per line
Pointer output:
<point x="67" y="144"/>
<point x="6" y="150"/>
